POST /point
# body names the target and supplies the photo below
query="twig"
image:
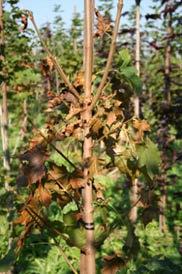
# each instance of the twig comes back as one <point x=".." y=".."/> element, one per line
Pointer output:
<point x="111" y="54"/>
<point x="54" y="60"/>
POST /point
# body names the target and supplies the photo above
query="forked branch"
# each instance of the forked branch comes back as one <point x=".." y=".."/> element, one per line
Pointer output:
<point x="111" y="54"/>
<point x="54" y="60"/>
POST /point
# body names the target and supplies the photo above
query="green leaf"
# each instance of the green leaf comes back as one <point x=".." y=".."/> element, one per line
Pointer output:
<point x="124" y="58"/>
<point x="149" y="157"/>
<point x="130" y="75"/>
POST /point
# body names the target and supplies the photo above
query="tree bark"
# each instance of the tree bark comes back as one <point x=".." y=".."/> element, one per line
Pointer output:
<point x="88" y="258"/>
<point x="167" y="98"/>
<point x="3" y="107"/>
<point x="4" y="120"/>
<point x="134" y="187"/>
<point x="137" y="58"/>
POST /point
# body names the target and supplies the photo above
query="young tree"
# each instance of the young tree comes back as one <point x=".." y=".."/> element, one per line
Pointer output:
<point x="63" y="165"/>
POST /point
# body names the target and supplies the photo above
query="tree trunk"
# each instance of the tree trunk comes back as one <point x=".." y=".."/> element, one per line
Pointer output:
<point x="88" y="258"/>
<point x="4" y="129"/>
<point x="134" y="187"/>
<point x="3" y="107"/>
<point x="4" y="122"/>
<point x="167" y="98"/>
<point x="137" y="59"/>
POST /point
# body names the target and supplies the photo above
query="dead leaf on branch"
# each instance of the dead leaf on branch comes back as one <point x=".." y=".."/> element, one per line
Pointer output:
<point x="66" y="179"/>
<point x="46" y="66"/>
<point x="111" y="118"/>
<point x="79" y="80"/>
<point x="103" y="24"/>
<point x="96" y="128"/>
<point x="33" y="164"/>
<point x="43" y="195"/>
<point x="77" y="183"/>
<point x="149" y="214"/>
<point x="50" y="63"/>
<point x="141" y="126"/>
<point x="112" y="264"/>
<point x="24" y="218"/>
<point x="96" y="166"/>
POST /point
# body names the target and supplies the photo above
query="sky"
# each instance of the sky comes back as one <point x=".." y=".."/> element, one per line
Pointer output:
<point x="43" y="9"/>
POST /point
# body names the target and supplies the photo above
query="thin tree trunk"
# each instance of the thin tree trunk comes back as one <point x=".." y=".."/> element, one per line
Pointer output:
<point x="4" y="129"/>
<point x="134" y="187"/>
<point x="4" y="121"/>
<point x="3" y="107"/>
<point x="167" y="80"/>
<point x="167" y="97"/>
<point x="137" y="59"/>
<point x="88" y="258"/>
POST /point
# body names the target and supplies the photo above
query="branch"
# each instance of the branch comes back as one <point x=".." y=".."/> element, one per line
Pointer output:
<point x="111" y="54"/>
<point x="54" y="60"/>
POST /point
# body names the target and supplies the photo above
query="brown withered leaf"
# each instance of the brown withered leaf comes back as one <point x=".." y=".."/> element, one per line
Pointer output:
<point x="44" y="195"/>
<point x="70" y="98"/>
<point x="111" y="118"/>
<point x="44" y="67"/>
<point x="76" y="183"/>
<point x="33" y="164"/>
<point x="149" y="214"/>
<point x="103" y="24"/>
<point x="57" y="172"/>
<point x="55" y="101"/>
<point x="73" y="112"/>
<point x="100" y="195"/>
<point x="24" y="218"/>
<point x="96" y="127"/>
<point x="36" y="140"/>
<point x="95" y="166"/>
<point x="50" y="63"/>
<point x="63" y="199"/>
<point x="141" y="126"/>
<point x="147" y="198"/>
<point x="112" y="264"/>
<point x="79" y="80"/>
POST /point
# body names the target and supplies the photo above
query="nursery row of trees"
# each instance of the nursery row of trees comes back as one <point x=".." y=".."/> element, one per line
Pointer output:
<point x="91" y="140"/>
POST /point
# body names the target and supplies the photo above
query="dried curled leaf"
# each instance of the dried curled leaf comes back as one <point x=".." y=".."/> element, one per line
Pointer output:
<point x="44" y="195"/>
<point x="141" y="126"/>
<point x="24" y="218"/>
<point x="103" y="24"/>
<point x="33" y="164"/>
<point x="112" y="264"/>
<point x="77" y="183"/>
<point x="79" y="80"/>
